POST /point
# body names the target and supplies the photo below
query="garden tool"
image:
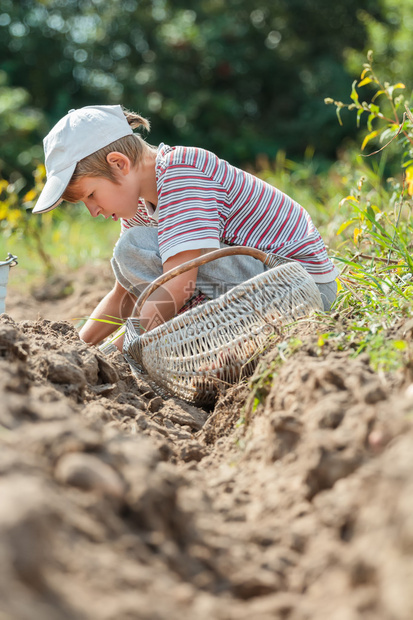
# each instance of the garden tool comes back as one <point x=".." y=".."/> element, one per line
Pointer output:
<point x="4" y="276"/>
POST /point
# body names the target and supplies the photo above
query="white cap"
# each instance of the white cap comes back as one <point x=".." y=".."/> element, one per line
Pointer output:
<point x="78" y="134"/>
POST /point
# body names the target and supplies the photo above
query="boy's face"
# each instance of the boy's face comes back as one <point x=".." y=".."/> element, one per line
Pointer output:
<point x="104" y="197"/>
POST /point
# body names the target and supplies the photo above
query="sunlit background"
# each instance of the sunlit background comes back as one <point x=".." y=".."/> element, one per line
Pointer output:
<point x="243" y="78"/>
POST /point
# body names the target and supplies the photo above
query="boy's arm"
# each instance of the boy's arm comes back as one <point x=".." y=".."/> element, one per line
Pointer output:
<point x="117" y="303"/>
<point x="167" y="300"/>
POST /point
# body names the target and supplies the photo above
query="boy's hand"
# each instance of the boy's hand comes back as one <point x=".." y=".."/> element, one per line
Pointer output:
<point x="118" y="302"/>
<point x="168" y="299"/>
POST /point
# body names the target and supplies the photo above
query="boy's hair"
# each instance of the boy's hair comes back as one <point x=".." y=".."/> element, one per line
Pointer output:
<point x="96" y="165"/>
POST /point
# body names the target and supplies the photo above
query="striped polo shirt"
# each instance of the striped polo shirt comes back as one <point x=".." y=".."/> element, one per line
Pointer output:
<point x="203" y="200"/>
<point x="141" y="218"/>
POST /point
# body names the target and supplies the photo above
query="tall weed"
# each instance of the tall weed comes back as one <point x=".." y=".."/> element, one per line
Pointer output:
<point x="377" y="268"/>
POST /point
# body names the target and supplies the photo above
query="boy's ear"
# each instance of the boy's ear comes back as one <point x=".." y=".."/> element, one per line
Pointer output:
<point x="119" y="161"/>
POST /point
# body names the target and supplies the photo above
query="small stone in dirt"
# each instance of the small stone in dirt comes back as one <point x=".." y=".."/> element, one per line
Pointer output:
<point x="184" y="415"/>
<point x="155" y="404"/>
<point x="104" y="389"/>
<point x="11" y="344"/>
<point x="144" y="388"/>
<point x="107" y="373"/>
<point x="142" y="421"/>
<point x="58" y="369"/>
<point x="254" y="583"/>
<point x="90" y="366"/>
<point x="169" y="424"/>
<point x="127" y="411"/>
<point x="165" y="450"/>
<point x="373" y="393"/>
<point x="89" y="473"/>
<point x="6" y="318"/>
<point x="129" y="398"/>
<point x="192" y="451"/>
<point x="63" y="328"/>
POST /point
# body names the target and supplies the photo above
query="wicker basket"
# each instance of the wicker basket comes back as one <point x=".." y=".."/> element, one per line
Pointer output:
<point x="216" y="343"/>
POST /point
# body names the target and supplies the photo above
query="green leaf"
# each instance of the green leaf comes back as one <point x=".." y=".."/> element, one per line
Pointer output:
<point x="369" y="137"/>
<point x="376" y="222"/>
<point x="369" y="121"/>
<point x="352" y="198"/>
<point x="376" y="282"/>
<point x="338" y="116"/>
<point x="106" y="321"/>
<point x="405" y="252"/>
<point x="345" y="225"/>
<point x="366" y="80"/>
<point x="354" y="94"/>
<point x="387" y="134"/>
<point x="379" y="92"/>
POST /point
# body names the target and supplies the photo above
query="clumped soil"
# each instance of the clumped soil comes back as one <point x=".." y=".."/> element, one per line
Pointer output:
<point x="117" y="504"/>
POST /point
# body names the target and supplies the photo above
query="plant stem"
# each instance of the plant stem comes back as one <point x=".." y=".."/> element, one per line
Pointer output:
<point x="398" y="218"/>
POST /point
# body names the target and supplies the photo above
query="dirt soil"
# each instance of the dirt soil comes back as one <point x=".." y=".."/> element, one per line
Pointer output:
<point x="117" y="504"/>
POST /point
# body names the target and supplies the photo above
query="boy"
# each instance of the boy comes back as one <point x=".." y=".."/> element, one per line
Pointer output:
<point x="174" y="203"/>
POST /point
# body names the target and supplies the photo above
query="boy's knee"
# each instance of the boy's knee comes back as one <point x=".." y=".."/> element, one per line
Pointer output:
<point x="136" y="260"/>
<point x="124" y="245"/>
<point x="328" y="293"/>
<point x="136" y="239"/>
<point x="135" y="245"/>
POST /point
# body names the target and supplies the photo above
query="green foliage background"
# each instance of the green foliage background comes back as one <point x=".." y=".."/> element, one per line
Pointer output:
<point x="239" y="77"/>
<point x="244" y="78"/>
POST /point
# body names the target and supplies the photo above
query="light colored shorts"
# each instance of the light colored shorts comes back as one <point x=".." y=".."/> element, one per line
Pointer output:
<point x="136" y="262"/>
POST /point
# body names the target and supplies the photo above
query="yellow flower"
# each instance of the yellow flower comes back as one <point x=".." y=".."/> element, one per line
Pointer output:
<point x="31" y="195"/>
<point x="4" y="211"/>
<point x="14" y="217"/>
<point x="409" y="180"/>
<point x="357" y="235"/>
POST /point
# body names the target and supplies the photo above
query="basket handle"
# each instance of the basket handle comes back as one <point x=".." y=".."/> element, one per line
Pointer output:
<point x="197" y="262"/>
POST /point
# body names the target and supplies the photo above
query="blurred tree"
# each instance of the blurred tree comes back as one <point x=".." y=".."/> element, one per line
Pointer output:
<point x="391" y="40"/>
<point x="20" y="125"/>
<point x="240" y="77"/>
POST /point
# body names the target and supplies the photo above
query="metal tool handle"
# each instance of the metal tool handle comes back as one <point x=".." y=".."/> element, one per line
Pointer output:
<point x="11" y="261"/>
<point x="197" y="262"/>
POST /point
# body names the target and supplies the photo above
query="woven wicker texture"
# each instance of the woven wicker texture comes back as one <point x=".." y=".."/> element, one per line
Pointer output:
<point x="218" y="342"/>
